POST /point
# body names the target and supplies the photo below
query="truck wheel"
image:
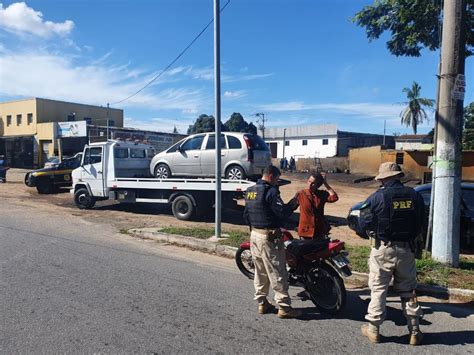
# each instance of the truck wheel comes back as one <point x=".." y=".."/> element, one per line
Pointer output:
<point x="183" y="208"/>
<point x="83" y="199"/>
<point x="162" y="171"/>
<point x="44" y="186"/>
<point x="235" y="172"/>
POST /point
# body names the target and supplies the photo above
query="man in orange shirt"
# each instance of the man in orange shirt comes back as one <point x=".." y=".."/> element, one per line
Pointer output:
<point x="312" y="223"/>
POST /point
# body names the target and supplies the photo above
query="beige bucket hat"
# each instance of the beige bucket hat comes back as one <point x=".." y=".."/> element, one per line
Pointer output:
<point x="389" y="169"/>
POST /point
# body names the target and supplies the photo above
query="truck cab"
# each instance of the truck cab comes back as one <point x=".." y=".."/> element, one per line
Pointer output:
<point x="106" y="161"/>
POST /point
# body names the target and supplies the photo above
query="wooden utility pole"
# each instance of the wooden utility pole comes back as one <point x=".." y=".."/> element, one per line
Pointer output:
<point x="447" y="189"/>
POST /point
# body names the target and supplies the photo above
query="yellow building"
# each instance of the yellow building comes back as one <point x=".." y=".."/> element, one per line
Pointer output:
<point x="30" y="129"/>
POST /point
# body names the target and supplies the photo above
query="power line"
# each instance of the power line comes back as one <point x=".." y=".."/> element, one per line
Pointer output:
<point x="173" y="61"/>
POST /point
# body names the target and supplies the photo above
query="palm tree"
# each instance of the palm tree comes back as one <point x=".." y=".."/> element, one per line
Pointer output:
<point x="414" y="114"/>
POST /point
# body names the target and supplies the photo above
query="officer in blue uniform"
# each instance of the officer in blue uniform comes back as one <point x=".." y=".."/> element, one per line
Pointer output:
<point x="393" y="218"/>
<point x="3" y="169"/>
<point x="264" y="213"/>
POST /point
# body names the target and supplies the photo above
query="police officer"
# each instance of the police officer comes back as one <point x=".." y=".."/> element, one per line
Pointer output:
<point x="3" y="169"/>
<point x="265" y="212"/>
<point x="393" y="217"/>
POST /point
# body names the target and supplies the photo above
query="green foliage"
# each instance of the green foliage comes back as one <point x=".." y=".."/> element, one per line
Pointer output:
<point x="468" y="131"/>
<point x="413" y="25"/>
<point x="236" y="123"/>
<point x="200" y="233"/>
<point x="414" y="114"/>
<point x="359" y="256"/>
<point x="235" y="238"/>
<point x="175" y="130"/>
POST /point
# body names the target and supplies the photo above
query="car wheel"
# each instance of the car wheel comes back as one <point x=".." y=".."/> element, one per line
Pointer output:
<point x="162" y="171"/>
<point x="44" y="186"/>
<point x="235" y="172"/>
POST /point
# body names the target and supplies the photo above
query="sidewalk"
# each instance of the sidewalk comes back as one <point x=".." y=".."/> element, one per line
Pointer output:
<point x="357" y="279"/>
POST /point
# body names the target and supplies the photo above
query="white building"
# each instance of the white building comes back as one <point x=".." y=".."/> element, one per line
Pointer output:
<point x="318" y="141"/>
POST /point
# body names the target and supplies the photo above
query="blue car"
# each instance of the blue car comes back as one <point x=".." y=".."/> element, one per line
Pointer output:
<point x="467" y="213"/>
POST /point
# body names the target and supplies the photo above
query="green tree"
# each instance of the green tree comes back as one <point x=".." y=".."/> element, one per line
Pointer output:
<point x="204" y="123"/>
<point x="413" y="24"/>
<point x="236" y="123"/>
<point x="468" y="131"/>
<point x="414" y="114"/>
<point x="175" y="130"/>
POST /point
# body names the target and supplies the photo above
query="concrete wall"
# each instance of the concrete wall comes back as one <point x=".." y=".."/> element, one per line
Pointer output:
<point x="314" y="147"/>
<point x="14" y="108"/>
<point x="365" y="161"/>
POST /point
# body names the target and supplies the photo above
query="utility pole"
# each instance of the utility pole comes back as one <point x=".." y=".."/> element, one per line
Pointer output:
<point x="217" y="92"/>
<point x="262" y="125"/>
<point x="384" y="129"/>
<point x="447" y="190"/>
<point x="284" y="141"/>
<point x="107" y="122"/>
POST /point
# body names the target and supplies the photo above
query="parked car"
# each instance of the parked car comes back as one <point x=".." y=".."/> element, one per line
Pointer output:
<point x="48" y="179"/>
<point x="54" y="161"/>
<point x="467" y="212"/>
<point x="243" y="156"/>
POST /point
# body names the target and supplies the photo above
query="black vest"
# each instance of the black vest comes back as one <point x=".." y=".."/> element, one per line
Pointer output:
<point x="398" y="219"/>
<point x="259" y="212"/>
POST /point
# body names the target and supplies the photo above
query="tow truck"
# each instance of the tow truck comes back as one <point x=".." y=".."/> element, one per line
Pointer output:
<point x="116" y="170"/>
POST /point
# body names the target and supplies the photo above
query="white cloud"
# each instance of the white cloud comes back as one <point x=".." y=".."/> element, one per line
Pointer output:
<point x="374" y="110"/>
<point x="234" y="94"/>
<point x="207" y="74"/>
<point x="46" y="75"/>
<point x="21" y="19"/>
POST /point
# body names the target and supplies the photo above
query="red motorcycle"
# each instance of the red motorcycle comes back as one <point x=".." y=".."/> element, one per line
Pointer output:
<point x="317" y="265"/>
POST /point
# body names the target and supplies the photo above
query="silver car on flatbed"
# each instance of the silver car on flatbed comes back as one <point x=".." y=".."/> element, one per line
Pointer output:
<point x="244" y="156"/>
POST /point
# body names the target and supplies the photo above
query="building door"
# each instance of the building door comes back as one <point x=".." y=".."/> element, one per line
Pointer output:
<point x="274" y="149"/>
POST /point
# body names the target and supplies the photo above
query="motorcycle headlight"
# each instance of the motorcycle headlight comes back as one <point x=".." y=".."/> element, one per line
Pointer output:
<point x="355" y="213"/>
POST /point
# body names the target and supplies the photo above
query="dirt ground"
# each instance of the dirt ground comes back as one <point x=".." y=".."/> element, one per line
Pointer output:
<point x="126" y="216"/>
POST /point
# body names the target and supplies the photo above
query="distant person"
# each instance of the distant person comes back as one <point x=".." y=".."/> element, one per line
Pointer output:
<point x="282" y="163"/>
<point x="312" y="223"/>
<point x="292" y="164"/>
<point x="3" y="169"/>
<point x="285" y="164"/>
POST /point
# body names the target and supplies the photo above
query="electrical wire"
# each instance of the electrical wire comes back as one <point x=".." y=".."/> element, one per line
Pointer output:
<point x="173" y="61"/>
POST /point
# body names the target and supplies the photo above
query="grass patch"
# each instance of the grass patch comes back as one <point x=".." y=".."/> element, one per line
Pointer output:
<point x="200" y="233"/>
<point x="429" y="271"/>
<point x="235" y="238"/>
<point x="359" y="256"/>
<point x="123" y="231"/>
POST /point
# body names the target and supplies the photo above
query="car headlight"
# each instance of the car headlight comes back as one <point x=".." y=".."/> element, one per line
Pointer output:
<point x="355" y="213"/>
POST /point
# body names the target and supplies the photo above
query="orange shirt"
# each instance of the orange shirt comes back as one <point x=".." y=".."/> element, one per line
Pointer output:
<point x="312" y="223"/>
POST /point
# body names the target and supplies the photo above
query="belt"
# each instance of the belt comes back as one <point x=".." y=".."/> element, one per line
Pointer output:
<point x="270" y="233"/>
<point x="374" y="242"/>
<point x="263" y="230"/>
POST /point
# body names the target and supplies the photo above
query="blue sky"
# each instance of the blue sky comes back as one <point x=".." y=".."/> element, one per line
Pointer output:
<point x="299" y="62"/>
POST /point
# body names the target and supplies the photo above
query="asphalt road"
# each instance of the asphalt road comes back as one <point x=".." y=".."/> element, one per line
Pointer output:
<point x="70" y="285"/>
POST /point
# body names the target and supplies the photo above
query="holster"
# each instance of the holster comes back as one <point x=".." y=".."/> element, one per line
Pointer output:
<point x="274" y="234"/>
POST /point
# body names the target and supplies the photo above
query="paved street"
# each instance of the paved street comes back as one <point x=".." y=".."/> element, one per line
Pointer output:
<point x="72" y="285"/>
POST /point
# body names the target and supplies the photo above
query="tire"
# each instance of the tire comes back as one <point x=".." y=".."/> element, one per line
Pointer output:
<point x="44" y="186"/>
<point x="162" y="171"/>
<point x="326" y="289"/>
<point x="235" y="172"/>
<point x="183" y="208"/>
<point x="27" y="180"/>
<point x="243" y="258"/>
<point x="83" y="199"/>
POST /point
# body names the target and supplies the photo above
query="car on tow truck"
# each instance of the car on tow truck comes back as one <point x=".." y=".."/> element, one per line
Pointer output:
<point x="50" y="179"/>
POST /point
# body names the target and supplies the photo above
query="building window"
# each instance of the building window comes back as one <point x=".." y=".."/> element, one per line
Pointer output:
<point x="88" y="120"/>
<point x="9" y="120"/>
<point x="305" y="142"/>
<point x="29" y="118"/>
<point x="111" y="123"/>
<point x="18" y="120"/>
<point x="325" y="141"/>
<point x="287" y="143"/>
<point x="399" y="159"/>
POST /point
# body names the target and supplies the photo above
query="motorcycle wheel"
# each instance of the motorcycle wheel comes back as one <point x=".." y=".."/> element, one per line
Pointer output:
<point x="326" y="289"/>
<point x="243" y="258"/>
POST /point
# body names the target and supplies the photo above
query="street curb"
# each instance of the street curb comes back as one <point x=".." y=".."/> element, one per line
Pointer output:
<point x="358" y="279"/>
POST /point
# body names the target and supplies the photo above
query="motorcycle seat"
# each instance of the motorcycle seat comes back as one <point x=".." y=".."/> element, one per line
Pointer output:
<point x="300" y="248"/>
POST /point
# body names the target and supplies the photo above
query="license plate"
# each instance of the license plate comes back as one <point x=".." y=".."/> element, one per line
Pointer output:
<point x="340" y="260"/>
